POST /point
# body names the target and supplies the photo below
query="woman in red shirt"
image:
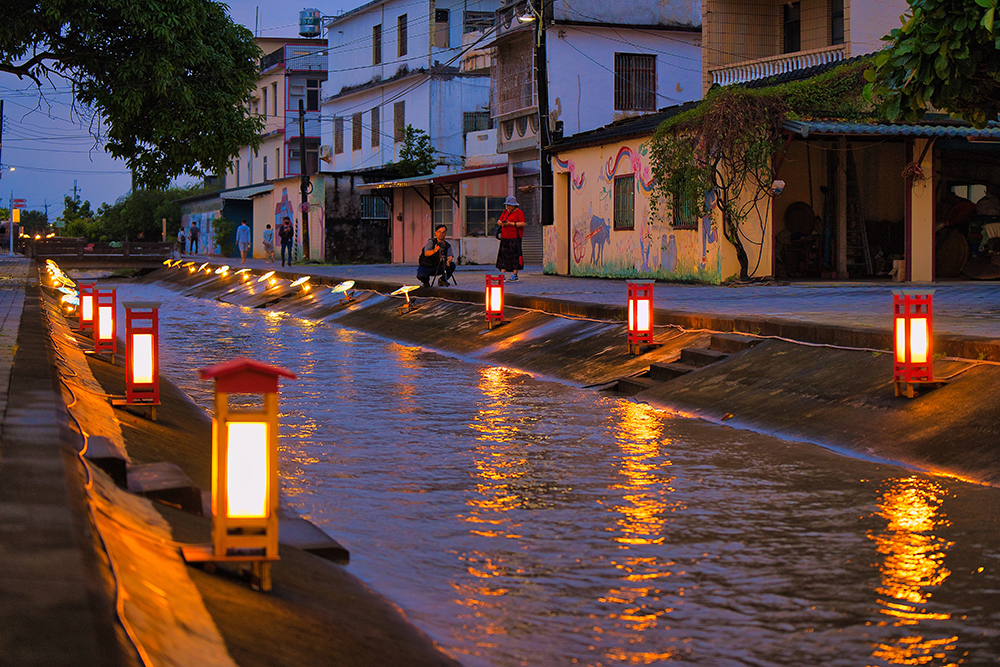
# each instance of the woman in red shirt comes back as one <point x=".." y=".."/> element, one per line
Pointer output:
<point x="512" y="223"/>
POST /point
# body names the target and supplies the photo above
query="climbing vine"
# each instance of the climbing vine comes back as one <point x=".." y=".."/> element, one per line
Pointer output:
<point x="729" y="144"/>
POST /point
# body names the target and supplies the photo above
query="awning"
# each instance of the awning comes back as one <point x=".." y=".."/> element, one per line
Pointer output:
<point x="248" y="192"/>
<point x="436" y="179"/>
<point x="930" y="129"/>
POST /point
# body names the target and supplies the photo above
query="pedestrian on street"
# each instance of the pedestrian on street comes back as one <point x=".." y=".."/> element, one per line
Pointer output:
<point x="180" y="239"/>
<point x="286" y="234"/>
<point x="268" y="237"/>
<point x="193" y="235"/>
<point x="509" y="257"/>
<point x="243" y="240"/>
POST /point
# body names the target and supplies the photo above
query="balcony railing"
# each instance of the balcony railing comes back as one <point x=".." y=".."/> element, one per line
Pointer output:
<point x="751" y="70"/>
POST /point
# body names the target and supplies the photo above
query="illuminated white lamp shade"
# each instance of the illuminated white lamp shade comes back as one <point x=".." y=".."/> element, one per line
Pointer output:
<point x="142" y="358"/>
<point x="247" y="476"/>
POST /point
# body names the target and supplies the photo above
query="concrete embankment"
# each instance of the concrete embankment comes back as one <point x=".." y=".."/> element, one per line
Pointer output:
<point x="831" y="396"/>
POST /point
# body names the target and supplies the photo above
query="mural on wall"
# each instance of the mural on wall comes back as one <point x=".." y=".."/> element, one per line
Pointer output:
<point x="206" y="236"/>
<point x="284" y="209"/>
<point x="653" y="248"/>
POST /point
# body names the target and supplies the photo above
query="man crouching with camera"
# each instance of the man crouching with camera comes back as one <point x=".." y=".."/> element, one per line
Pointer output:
<point x="436" y="259"/>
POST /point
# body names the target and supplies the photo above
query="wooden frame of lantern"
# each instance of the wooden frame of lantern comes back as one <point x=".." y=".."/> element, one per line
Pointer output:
<point x="85" y="311"/>
<point x="244" y="469"/>
<point x="913" y="348"/>
<point x="640" y="315"/>
<point x="105" y="320"/>
<point x="142" y="355"/>
<point x="494" y="300"/>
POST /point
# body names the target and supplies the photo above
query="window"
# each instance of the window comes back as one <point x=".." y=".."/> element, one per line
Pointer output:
<point x="312" y="94"/>
<point x="277" y="163"/>
<point x="312" y="155"/>
<point x="401" y="36"/>
<point x="377" y="44"/>
<point x="263" y="93"/>
<point x="625" y="202"/>
<point x="475" y="121"/>
<point x="399" y="121"/>
<point x="793" y="27"/>
<point x="264" y="166"/>
<point x="441" y="28"/>
<point x="338" y="135"/>
<point x="356" y="132"/>
<point x="482" y="214"/>
<point x="477" y="21"/>
<point x="443" y="213"/>
<point x="376" y="128"/>
<point x="236" y="171"/>
<point x="274" y="97"/>
<point x="635" y="82"/>
<point x="685" y="213"/>
<point x="836" y="21"/>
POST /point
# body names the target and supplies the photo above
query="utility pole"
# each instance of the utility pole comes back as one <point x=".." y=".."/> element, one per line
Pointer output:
<point x="305" y="184"/>
<point x="76" y="196"/>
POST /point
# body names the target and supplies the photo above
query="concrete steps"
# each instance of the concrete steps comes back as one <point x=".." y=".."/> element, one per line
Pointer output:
<point x="691" y="359"/>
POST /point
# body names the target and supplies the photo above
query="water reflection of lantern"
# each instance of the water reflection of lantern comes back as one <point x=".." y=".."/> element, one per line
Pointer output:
<point x="142" y="354"/>
<point x="105" y="325"/>
<point x="244" y="468"/>
<point x="494" y="300"/>
<point x="913" y="312"/>
<point x="85" y="321"/>
<point x="640" y="315"/>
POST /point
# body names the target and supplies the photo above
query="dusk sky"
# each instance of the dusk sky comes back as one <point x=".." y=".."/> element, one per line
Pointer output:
<point x="51" y="147"/>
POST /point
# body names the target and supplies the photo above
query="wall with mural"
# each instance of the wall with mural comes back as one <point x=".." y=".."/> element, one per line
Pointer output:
<point x="653" y="248"/>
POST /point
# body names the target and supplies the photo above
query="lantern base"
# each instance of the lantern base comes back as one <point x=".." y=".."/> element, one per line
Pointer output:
<point x="909" y="389"/>
<point x="121" y="401"/>
<point x="260" y="567"/>
<point x="636" y="348"/>
<point x="403" y="310"/>
<point x="494" y="323"/>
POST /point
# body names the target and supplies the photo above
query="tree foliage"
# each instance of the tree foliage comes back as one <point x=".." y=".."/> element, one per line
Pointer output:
<point x="171" y="78"/>
<point x="946" y="55"/>
<point x="139" y="214"/>
<point x="416" y="157"/>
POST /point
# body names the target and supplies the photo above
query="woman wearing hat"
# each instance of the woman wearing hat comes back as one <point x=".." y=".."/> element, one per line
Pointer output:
<point x="511" y="230"/>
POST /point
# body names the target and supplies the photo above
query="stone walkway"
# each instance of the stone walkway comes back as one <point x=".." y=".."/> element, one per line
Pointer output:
<point x="13" y="271"/>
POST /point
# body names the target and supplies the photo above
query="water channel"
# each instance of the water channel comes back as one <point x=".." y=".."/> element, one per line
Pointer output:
<point x="524" y="522"/>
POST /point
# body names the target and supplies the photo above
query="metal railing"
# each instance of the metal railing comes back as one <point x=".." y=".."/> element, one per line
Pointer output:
<point x="81" y="248"/>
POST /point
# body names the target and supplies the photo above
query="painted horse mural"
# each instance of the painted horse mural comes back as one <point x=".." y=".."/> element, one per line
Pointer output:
<point x="600" y="233"/>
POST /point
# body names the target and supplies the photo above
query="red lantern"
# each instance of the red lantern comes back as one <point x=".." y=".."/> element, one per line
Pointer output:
<point x="105" y="329"/>
<point x="913" y="314"/>
<point x="142" y="354"/>
<point x="640" y="314"/>
<point x="494" y="300"/>
<point x="85" y="312"/>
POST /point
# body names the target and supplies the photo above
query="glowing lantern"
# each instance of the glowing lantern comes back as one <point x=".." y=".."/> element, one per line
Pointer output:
<point x="142" y="354"/>
<point x="640" y="315"/>
<point x="913" y="314"/>
<point x="494" y="300"/>
<point x="244" y="468"/>
<point x="105" y="329"/>
<point x="85" y="312"/>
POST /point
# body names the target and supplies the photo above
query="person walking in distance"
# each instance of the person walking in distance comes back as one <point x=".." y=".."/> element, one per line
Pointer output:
<point x="286" y="234"/>
<point x="180" y="240"/>
<point x="268" y="238"/>
<point x="193" y="234"/>
<point x="512" y="224"/>
<point x="243" y="240"/>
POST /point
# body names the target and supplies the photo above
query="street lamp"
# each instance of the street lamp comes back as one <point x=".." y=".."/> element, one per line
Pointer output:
<point x="494" y="300"/>
<point x="913" y="319"/>
<point x="640" y="315"/>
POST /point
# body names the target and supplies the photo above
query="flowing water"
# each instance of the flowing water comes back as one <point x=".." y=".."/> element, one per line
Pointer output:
<point x="523" y="522"/>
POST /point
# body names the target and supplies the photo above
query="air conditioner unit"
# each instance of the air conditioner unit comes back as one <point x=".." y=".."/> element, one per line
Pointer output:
<point x="324" y="151"/>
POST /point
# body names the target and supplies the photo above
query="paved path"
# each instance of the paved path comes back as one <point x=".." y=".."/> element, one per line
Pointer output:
<point x="961" y="308"/>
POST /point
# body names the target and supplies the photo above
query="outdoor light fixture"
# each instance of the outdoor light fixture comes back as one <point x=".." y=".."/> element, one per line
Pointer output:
<point x="244" y="468"/>
<point x="345" y="289"/>
<point x="105" y="334"/>
<point x="202" y="267"/>
<point x="494" y="300"/>
<point x="265" y="277"/>
<point x="222" y="270"/>
<point x="405" y="291"/>
<point x="85" y="319"/>
<point x="142" y="355"/>
<point x="640" y="315"/>
<point x="303" y="282"/>
<point x="913" y="315"/>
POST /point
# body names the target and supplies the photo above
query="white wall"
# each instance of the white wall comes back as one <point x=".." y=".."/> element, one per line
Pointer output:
<point x="582" y="63"/>
<point x="658" y="12"/>
<point x="869" y="20"/>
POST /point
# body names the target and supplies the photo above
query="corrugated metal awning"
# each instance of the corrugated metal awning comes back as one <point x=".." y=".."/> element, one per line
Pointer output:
<point x="435" y="179"/>
<point x="249" y="192"/>
<point x="956" y="130"/>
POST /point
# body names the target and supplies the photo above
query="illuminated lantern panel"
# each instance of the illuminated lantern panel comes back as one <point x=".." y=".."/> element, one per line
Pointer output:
<point x="105" y="323"/>
<point x="247" y="470"/>
<point x="640" y="314"/>
<point x="85" y="313"/>
<point x="913" y="316"/>
<point x="105" y="334"/>
<point x="494" y="300"/>
<point x="142" y="367"/>
<point x="142" y="358"/>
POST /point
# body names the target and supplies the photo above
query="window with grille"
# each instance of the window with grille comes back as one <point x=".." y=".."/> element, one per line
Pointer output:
<point x="793" y="27"/>
<point x="685" y="212"/>
<point x="475" y="121"/>
<point x="482" y="214"/>
<point x="274" y="98"/>
<point x="625" y="202"/>
<point x="263" y="93"/>
<point x="836" y="21"/>
<point x="374" y="207"/>
<point x="338" y="135"/>
<point x="635" y="82"/>
<point x="401" y="36"/>
<point x="277" y="163"/>
<point x="312" y="94"/>
<point x="399" y="121"/>
<point x="513" y="76"/>
<point x="376" y="127"/>
<point x="377" y="44"/>
<point x="356" y="132"/>
<point x="443" y="213"/>
<point x="263" y="166"/>
<point x="477" y="21"/>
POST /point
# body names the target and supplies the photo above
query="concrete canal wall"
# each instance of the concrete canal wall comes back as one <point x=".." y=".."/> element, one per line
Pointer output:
<point x="828" y="395"/>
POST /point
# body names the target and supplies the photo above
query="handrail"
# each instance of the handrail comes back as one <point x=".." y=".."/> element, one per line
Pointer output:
<point x="759" y="68"/>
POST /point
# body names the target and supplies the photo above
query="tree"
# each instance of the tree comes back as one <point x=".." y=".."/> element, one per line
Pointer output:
<point x="171" y="79"/>
<point x="416" y="157"/>
<point x="77" y="219"/>
<point x="947" y="56"/>
<point x="33" y="221"/>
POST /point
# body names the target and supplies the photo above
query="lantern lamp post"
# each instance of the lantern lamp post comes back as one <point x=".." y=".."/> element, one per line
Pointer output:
<point x="244" y="468"/>
<point x="913" y="327"/>
<point x="85" y="312"/>
<point x="494" y="300"/>
<point x="344" y="288"/>
<point x="405" y="291"/>
<point x="142" y="354"/>
<point x="640" y="315"/>
<point x="105" y="324"/>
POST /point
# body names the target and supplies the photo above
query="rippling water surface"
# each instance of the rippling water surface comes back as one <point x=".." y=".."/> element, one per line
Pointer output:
<point x="522" y="522"/>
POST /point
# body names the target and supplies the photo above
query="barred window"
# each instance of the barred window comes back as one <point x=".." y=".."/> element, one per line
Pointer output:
<point x="635" y="82"/>
<point x="338" y="135"/>
<point x="399" y="120"/>
<point x="376" y="128"/>
<point x="401" y="36"/>
<point x="475" y="121"/>
<point x="443" y="213"/>
<point x="377" y="44"/>
<point x="625" y="202"/>
<point x="356" y="132"/>
<point x="685" y="213"/>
